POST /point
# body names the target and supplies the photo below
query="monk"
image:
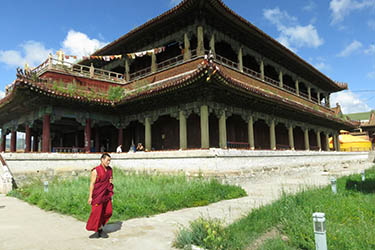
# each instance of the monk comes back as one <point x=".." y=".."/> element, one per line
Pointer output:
<point x="100" y="197"/>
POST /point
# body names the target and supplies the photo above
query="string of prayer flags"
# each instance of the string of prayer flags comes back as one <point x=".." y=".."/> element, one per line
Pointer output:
<point x="108" y="58"/>
<point x="146" y="52"/>
<point x="105" y="58"/>
<point x="67" y="57"/>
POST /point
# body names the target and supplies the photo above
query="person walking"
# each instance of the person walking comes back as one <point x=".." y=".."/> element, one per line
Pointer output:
<point x="101" y="192"/>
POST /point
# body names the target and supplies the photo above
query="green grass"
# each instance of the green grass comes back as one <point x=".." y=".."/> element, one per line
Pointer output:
<point x="135" y="195"/>
<point x="350" y="218"/>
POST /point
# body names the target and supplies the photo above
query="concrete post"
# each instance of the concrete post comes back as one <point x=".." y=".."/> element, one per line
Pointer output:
<point x="297" y="87"/>
<point x="28" y="138"/>
<point x="92" y="70"/>
<point x="318" y="94"/>
<point x="320" y="231"/>
<point x="88" y="136"/>
<point x="148" y="134"/>
<point x="200" y="42"/>
<point x="240" y="59"/>
<point x="187" y="52"/>
<point x="13" y="141"/>
<point x="127" y="69"/>
<point x="307" y="143"/>
<point x="272" y="135"/>
<point x="291" y="137"/>
<point x="261" y="69"/>
<point x="328" y="104"/>
<point x="46" y="137"/>
<point x="154" y="66"/>
<point x="212" y="44"/>
<point x="309" y="92"/>
<point x="205" y="135"/>
<point x="327" y="141"/>
<point x="183" y="130"/>
<point x="223" y="130"/>
<point x="281" y="81"/>
<point x="251" y="132"/>
<point x="338" y="142"/>
<point x="318" y="140"/>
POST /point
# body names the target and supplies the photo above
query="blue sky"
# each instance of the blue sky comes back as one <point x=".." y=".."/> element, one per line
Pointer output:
<point x="335" y="36"/>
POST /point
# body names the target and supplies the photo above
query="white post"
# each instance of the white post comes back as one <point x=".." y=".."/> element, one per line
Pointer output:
<point x="333" y="185"/>
<point x="320" y="231"/>
<point x="46" y="186"/>
<point x="363" y="175"/>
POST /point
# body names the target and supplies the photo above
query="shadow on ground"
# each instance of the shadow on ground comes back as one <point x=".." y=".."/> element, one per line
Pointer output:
<point x="367" y="186"/>
<point x="113" y="227"/>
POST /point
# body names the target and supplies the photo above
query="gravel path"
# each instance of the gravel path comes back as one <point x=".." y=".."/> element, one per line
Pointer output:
<point x="23" y="226"/>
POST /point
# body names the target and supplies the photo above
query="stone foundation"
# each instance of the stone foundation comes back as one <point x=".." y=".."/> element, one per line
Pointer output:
<point x="223" y="164"/>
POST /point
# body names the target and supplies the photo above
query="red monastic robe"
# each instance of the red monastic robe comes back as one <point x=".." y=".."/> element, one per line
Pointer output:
<point x="101" y="205"/>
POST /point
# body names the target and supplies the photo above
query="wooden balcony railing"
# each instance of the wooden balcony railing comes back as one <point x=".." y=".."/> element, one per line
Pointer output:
<point x="101" y="74"/>
<point x="163" y="65"/>
<point x="78" y="69"/>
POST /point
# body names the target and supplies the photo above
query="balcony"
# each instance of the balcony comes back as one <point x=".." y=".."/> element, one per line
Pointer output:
<point x="52" y="64"/>
<point x="114" y="77"/>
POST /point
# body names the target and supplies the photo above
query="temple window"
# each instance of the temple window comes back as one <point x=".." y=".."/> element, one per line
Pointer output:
<point x="270" y="71"/>
<point x="251" y="63"/>
<point x="314" y="95"/>
<point x="225" y="50"/>
<point x="303" y="90"/>
<point x="289" y="83"/>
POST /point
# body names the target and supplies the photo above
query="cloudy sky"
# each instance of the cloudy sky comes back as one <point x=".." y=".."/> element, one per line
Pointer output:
<point x="335" y="36"/>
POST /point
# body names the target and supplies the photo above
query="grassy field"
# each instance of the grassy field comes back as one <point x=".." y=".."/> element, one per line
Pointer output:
<point x="136" y="195"/>
<point x="350" y="221"/>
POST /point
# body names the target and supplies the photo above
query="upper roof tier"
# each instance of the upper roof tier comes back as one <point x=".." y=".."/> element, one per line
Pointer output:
<point x="190" y="12"/>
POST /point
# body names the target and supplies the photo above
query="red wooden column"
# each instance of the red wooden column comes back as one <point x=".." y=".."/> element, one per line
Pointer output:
<point x="88" y="136"/>
<point x="28" y="139"/>
<point x="46" y="133"/>
<point x="3" y="140"/>
<point x="13" y="141"/>
<point x="120" y="136"/>
<point x="35" y="143"/>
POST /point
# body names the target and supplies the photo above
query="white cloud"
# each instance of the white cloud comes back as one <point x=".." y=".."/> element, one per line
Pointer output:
<point x="320" y="63"/>
<point x="79" y="44"/>
<point x="342" y="8"/>
<point x="32" y="52"/>
<point x="310" y="6"/>
<point x="292" y="35"/>
<point x="2" y="94"/>
<point x="350" y="49"/>
<point x="370" y="50"/>
<point x="322" y="66"/>
<point x="349" y="102"/>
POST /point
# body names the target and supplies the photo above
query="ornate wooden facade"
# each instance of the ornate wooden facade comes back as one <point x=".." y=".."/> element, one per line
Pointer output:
<point x="221" y="82"/>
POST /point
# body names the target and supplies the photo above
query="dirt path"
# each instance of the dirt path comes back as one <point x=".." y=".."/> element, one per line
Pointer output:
<point x="23" y="226"/>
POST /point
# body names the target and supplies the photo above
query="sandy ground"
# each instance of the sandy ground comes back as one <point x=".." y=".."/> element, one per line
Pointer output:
<point x="23" y="226"/>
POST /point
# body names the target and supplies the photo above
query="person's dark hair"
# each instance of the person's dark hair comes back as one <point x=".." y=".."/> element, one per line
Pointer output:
<point x="105" y="155"/>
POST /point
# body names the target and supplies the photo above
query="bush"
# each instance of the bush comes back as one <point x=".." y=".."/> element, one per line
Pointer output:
<point x="206" y="233"/>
